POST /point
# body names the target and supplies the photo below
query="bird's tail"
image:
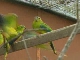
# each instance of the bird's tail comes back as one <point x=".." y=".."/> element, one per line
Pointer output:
<point x="53" y="48"/>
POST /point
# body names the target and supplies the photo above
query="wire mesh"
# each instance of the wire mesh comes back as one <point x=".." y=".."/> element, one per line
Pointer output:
<point x="67" y="7"/>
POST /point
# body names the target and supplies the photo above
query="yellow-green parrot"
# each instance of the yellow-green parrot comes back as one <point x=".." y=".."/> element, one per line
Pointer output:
<point x="12" y="28"/>
<point x="39" y="24"/>
<point x="20" y="29"/>
<point x="7" y="47"/>
<point x="1" y="38"/>
<point x="8" y="24"/>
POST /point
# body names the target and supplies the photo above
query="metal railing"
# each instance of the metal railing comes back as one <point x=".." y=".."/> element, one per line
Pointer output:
<point x="67" y="7"/>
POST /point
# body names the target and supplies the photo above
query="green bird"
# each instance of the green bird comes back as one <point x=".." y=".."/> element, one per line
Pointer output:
<point x="12" y="27"/>
<point x="39" y="24"/>
<point x="1" y="38"/>
<point x="2" y="20"/>
<point x="20" y="29"/>
<point x="8" y="27"/>
<point x="8" y="24"/>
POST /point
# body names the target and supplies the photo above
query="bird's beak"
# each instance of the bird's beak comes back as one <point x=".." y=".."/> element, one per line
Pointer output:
<point x="35" y="18"/>
<point x="25" y="27"/>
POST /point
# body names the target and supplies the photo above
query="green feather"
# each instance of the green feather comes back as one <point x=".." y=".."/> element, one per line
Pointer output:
<point x="11" y="20"/>
<point x="20" y="29"/>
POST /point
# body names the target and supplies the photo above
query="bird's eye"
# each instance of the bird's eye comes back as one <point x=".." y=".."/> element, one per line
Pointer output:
<point x="38" y="17"/>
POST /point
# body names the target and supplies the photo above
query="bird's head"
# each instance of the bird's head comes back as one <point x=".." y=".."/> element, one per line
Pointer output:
<point x="21" y="27"/>
<point x="11" y="16"/>
<point x="1" y="31"/>
<point x="38" y="19"/>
